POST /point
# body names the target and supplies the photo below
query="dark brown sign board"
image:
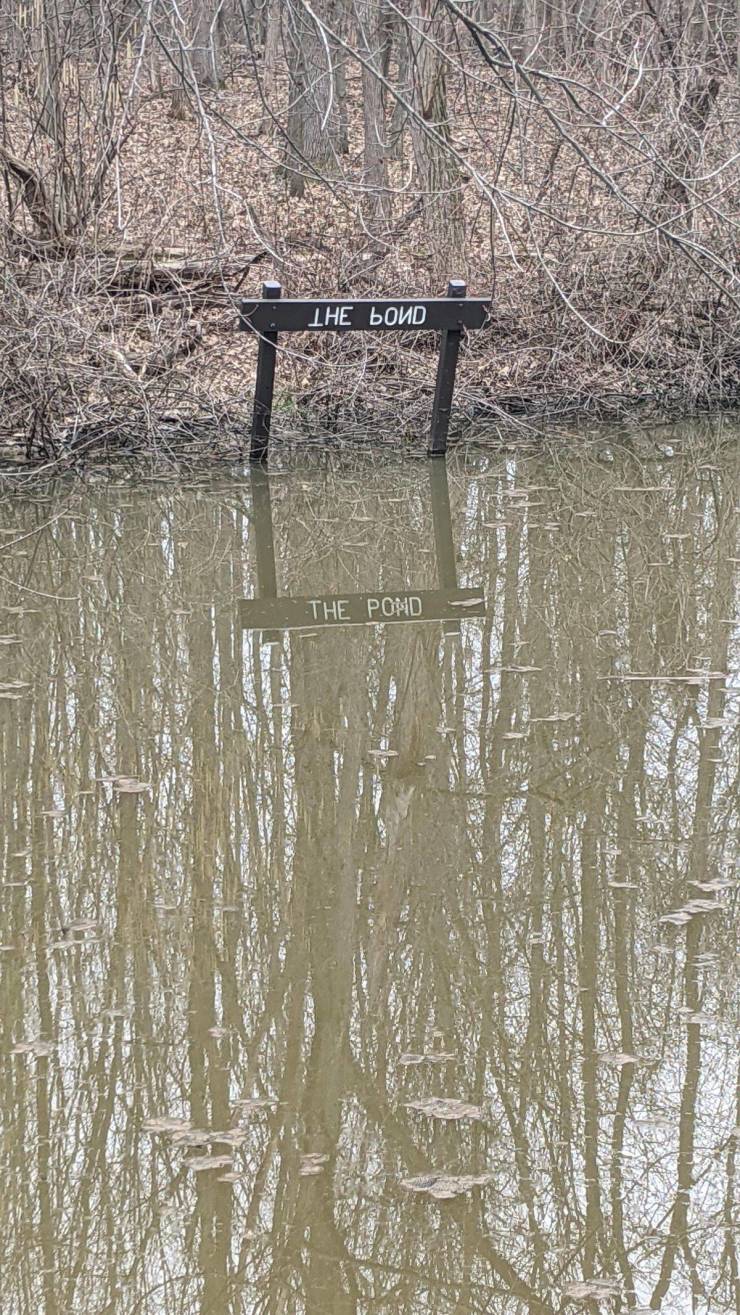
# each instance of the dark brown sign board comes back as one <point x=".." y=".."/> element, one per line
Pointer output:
<point x="277" y="316"/>
<point x="272" y="315"/>
<point x="328" y="611"/>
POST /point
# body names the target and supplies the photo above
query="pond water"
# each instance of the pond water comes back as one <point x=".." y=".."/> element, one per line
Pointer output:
<point x="384" y="967"/>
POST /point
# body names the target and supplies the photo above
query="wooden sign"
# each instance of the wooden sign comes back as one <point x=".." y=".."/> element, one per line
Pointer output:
<point x="272" y="315"/>
<point x="329" y="611"/>
<point x="276" y="316"/>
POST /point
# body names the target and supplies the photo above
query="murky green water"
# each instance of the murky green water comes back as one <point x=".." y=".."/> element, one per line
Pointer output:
<point x="353" y="879"/>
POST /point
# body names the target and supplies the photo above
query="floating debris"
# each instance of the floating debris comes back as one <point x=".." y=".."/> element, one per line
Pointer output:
<point x="444" y="1186"/>
<point x="435" y="1057"/>
<point x="204" y="1163"/>
<point x="719" y="884"/>
<point x="616" y="1059"/>
<point x="594" y="1289"/>
<point x="166" y="1123"/>
<point x="130" y="785"/>
<point x="231" y="1137"/>
<point x="312" y="1163"/>
<point x="441" y="1107"/>
<point x="190" y="1137"/>
<point x="679" y="917"/>
<point x="37" y="1048"/>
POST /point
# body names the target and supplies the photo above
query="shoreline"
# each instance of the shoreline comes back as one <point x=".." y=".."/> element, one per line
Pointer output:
<point x="185" y="443"/>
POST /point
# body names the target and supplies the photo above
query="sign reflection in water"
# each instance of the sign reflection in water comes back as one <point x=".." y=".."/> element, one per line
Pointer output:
<point x="270" y="613"/>
<point x="371" y="869"/>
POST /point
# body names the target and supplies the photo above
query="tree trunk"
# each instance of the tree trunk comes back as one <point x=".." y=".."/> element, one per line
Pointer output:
<point x="371" y="42"/>
<point x="273" y="41"/>
<point x="206" y="28"/>
<point x="437" y="175"/>
<point x="314" y="116"/>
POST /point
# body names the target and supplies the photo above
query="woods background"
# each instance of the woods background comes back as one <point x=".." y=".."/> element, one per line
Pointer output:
<point x="576" y="159"/>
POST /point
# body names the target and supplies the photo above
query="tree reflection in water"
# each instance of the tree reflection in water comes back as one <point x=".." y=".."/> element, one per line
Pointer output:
<point x="293" y="935"/>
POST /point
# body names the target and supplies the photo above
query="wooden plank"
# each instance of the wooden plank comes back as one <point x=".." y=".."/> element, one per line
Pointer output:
<point x="326" y="611"/>
<point x="325" y="315"/>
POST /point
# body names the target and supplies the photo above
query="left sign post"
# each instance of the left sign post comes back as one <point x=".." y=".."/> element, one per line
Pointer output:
<point x="265" y="383"/>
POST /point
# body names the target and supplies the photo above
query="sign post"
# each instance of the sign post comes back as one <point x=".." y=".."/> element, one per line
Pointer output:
<point x="272" y="315"/>
<point x="449" y="349"/>
<point x="264" y="384"/>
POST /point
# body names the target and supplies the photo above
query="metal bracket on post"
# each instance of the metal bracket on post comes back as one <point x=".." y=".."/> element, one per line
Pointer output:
<point x="264" y="384"/>
<point x="449" y="348"/>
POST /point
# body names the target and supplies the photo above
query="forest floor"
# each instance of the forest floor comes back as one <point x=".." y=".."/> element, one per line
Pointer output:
<point x="135" y="326"/>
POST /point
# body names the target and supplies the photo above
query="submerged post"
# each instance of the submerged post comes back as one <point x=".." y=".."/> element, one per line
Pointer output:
<point x="264" y="538"/>
<point x="444" y="544"/>
<point x="443" y="541"/>
<point x="264" y="542"/>
<point x="449" y="348"/>
<point x="264" y="383"/>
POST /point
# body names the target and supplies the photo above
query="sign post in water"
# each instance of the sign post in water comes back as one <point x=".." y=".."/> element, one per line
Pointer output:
<point x="272" y="315"/>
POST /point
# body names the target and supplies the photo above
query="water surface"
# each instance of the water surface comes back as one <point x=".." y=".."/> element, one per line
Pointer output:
<point x="273" y="901"/>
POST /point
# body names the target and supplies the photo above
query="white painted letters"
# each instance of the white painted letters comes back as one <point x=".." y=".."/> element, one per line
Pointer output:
<point x="332" y="317"/>
<point x="379" y="316"/>
<point x="393" y="605"/>
<point x="392" y="317"/>
<point x="335" y="610"/>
